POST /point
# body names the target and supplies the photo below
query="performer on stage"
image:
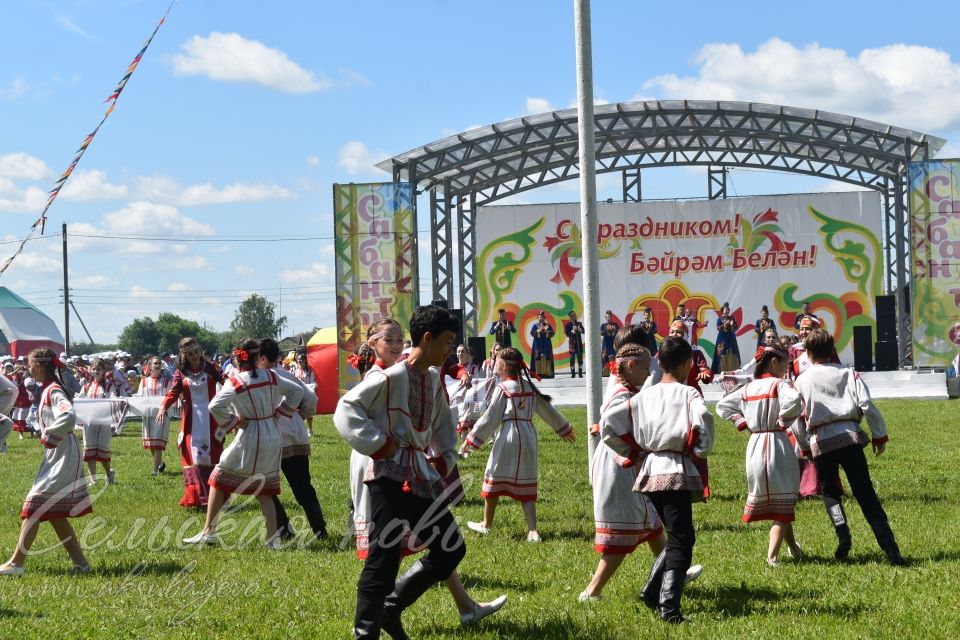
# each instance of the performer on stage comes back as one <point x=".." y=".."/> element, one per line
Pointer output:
<point x="195" y="382"/>
<point x="763" y="407"/>
<point x="153" y="383"/>
<point x="541" y="353"/>
<point x="835" y="400"/>
<point x="762" y="324"/>
<point x="608" y="330"/>
<point x="650" y="326"/>
<point x="60" y="489"/>
<point x="512" y="466"/>
<point x="396" y="417"/>
<point x="502" y="329"/>
<point x="574" y="331"/>
<point x="805" y="313"/>
<point x="249" y="401"/>
<point x="726" y="357"/>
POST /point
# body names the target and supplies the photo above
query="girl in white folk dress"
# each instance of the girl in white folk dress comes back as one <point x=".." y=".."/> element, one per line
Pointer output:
<point x="60" y="489"/>
<point x="624" y="519"/>
<point x="155" y="383"/>
<point x="764" y="407"/>
<point x="8" y="397"/>
<point x="97" y="437"/>
<point x="512" y="467"/>
<point x="251" y="464"/>
<point x="381" y="351"/>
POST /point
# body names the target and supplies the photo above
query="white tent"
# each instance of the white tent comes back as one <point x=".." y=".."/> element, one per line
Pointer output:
<point x="24" y="328"/>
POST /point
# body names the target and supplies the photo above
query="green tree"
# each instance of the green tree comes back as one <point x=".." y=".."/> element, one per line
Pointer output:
<point x="171" y="328"/>
<point x="256" y="318"/>
<point x="140" y="337"/>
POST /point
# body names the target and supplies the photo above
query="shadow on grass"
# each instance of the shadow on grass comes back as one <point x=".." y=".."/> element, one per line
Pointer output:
<point x="744" y="600"/>
<point x="732" y="527"/>
<point x="509" y="585"/>
<point x="534" y="630"/>
<point x="139" y="569"/>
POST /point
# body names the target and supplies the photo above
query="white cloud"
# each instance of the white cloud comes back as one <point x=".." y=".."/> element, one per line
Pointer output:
<point x="350" y="78"/>
<point x="90" y="186"/>
<point x="318" y="273"/>
<point x="72" y="27"/>
<point x="537" y="105"/>
<point x="229" y="57"/>
<point x="148" y="218"/>
<point x="165" y="189"/>
<point x="139" y="218"/>
<point x="244" y="271"/>
<point x="178" y="286"/>
<point x="313" y="161"/>
<point x="356" y="158"/>
<point x="91" y="281"/>
<point x="898" y="84"/>
<point x="23" y="165"/>
<point x="14" y="90"/>
<point x="36" y="263"/>
<point x="186" y="263"/>
<point x="29" y="200"/>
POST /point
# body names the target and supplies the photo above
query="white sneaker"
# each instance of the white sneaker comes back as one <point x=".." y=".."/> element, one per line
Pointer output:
<point x="693" y="572"/>
<point x="80" y="569"/>
<point x="773" y="562"/>
<point x="274" y="545"/>
<point x="10" y="570"/>
<point x="202" y="538"/>
<point x="534" y="536"/>
<point x="478" y="527"/>
<point x="583" y="597"/>
<point x="481" y="611"/>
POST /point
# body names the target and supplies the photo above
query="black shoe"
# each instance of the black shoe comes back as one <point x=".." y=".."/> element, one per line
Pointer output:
<point x="843" y="548"/>
<point x="573" y="375"/>
<point x="894" y="556"/>
<point x="670" y="592"/>
<point x="366" y="623"/>
<point x="287" y="532"/>
<point x="392" y="625"/>
<point x="580" y="374"/>
<point x="162" y="467"/>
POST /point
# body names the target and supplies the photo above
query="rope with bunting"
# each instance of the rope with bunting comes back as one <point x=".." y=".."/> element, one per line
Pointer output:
<point x="58" y="185"/>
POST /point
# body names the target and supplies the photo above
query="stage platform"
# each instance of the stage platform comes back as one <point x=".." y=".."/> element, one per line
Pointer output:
<point x="568" y="392"/>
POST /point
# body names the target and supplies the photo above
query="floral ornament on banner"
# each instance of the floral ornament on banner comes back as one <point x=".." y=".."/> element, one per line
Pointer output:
<point x="58" y="185"/>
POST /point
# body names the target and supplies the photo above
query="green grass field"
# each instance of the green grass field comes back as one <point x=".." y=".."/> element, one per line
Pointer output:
<point x="145" y="585"/>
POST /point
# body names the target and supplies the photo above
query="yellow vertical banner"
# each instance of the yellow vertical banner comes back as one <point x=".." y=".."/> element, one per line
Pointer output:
<point x="375" y="255"/>
<point x="935" y="263"/>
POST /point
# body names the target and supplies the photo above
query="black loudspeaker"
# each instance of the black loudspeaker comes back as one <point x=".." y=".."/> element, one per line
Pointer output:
<point x="479" y="346"/>
<point x="887" y="355"/>
<point x="439" y="303"/>
<point x="458" y="313"/>
<point x="886" y="319"/>
<point x="863" y="348"/>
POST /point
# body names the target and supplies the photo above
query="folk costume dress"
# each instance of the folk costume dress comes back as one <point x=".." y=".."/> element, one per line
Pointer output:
<point x="199" y="450"/>
<point x="251" y="464"/>
<point x="623" y="518"/>
<point x="726" y="357"/>
<point x="60" y="488"/>
<point x="512" y="466"/>
<point x="155" y="435"/>
<point x="764" y="407"/>
<point x="8" y="396"/>
<point x="608" y="331"/>
<point x="97" y="437"/>
<point x="396" y="405"/>
<point x="541" y="353"/>
<point x="21" y="406"/>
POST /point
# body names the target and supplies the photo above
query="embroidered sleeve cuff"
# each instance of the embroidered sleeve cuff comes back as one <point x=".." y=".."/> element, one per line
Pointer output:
<point x="50" y="441"/>
<point x="564" y="430"/>
<point x="381" y="452"/>
<point x="882" y="440"/>
<point x="472" y="442"/>
<point x="229" y="425"/>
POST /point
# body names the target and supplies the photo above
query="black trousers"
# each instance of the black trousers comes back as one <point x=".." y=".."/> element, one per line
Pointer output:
<point x="854" y="464"/>
<point x="296" y="469"/>
<point x="676" y="511"/>
<point x="430" y="522"/>
<point x="576" y="355"/>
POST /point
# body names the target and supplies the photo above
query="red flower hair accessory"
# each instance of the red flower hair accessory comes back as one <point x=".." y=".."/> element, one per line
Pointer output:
<point x="242" y="355"/>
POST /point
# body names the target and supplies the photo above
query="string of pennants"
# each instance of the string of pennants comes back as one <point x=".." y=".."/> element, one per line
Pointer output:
<point x="58" y="185"/>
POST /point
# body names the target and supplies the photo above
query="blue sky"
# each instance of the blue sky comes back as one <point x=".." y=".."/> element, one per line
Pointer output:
<point x="243" y="114"/>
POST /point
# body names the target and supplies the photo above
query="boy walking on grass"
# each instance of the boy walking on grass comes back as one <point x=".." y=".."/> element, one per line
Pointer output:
<point x="396" y="416"/>
<point x="835" y="400"/>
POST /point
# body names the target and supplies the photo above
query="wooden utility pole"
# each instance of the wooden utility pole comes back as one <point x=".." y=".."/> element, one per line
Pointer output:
<point x="66" y="293"/>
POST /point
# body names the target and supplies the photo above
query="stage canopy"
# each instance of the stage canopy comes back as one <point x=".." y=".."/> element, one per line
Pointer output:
<point x="24" y="328"/>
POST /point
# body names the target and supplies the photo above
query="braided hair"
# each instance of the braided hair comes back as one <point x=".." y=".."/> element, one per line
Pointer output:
<point x="767" y="357"/>
<point x="513" y="359"/>
<point x="48" y="359"/>
<point x="632" y="351"/>
<point x="366" y="356"/>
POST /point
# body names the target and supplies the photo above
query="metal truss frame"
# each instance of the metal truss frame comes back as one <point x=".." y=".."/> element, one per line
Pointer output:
<point x="487" y="164"/>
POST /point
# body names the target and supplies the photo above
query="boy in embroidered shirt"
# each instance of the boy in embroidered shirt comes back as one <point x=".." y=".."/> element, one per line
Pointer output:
<point x="835" y="400"/>
<point x="396" y="416"/>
